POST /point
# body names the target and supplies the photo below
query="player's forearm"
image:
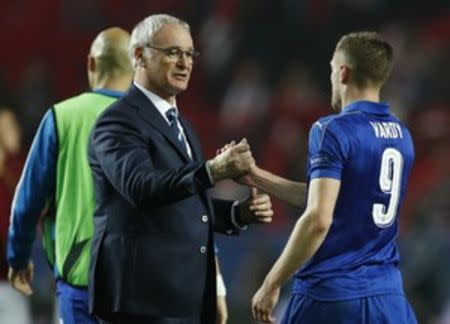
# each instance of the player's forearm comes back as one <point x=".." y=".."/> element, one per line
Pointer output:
<point x="291" y="192"/>
<point x="306" y="238"/>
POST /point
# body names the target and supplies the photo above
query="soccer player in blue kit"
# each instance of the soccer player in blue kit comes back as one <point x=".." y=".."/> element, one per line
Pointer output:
<point x="342" y="251"/>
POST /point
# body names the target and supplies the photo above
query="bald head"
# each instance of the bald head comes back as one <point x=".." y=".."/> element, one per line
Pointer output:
<point x="108" y="57"/>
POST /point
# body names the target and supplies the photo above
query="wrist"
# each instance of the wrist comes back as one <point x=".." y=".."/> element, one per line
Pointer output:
<point x="256" y="175"/>
<point x="271" y="284"/>
<point x="215" y="170"/>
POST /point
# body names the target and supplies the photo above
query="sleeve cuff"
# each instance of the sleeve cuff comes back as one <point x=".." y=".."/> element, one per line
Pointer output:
<point x="326" y="173"/>
<point x="203" y="178"/>
<point x="18" y="264"/>
<point x="208" y="171"/>
<point x="235" y="216"/>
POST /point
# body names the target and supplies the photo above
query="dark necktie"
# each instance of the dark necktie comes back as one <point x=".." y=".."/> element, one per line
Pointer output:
<point x="172" y="116"/>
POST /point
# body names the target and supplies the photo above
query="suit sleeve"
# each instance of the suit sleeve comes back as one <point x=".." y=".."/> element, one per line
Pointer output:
<point x="124" y="158"/>
<point x="226" y="212"/>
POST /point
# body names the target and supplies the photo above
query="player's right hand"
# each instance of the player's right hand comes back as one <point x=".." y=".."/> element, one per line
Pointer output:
<point x="21" y="279"/>
<point x="263" y="303"/>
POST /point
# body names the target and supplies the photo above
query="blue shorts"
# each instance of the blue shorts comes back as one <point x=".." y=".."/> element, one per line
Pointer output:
<point x="73" y="304"/>
<point x="385" y="309"/>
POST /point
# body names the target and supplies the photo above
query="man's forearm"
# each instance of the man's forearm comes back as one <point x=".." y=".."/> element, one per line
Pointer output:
<point x="306" y="238"/>
<point x="291" y="192"/>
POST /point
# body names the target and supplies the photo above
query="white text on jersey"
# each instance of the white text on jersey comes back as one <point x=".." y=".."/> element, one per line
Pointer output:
<point x="387" y="129"/>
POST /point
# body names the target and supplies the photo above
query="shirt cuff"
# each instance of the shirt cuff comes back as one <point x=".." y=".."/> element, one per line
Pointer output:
<point x="208" y="171"/>
<point x="234" y="216"/>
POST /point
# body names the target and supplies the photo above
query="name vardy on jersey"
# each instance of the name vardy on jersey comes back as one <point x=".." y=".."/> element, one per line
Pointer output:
<point x="387" y="130"/>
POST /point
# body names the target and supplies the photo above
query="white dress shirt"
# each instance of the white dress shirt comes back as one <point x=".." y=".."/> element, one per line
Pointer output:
<point x="163" y="106"/>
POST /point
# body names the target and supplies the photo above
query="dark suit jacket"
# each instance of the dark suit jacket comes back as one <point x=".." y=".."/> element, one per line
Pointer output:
<point x="152" y="250"/>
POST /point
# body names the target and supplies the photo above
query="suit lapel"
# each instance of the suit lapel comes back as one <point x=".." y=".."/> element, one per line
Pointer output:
<point x="197" y="156"/>
<point x="152" y="116"/>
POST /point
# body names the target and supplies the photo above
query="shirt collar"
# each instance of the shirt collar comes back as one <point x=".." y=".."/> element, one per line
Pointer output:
<point x="370" y="107"/>
<point x="162" y="105"/>
<point x="108" y="92"/>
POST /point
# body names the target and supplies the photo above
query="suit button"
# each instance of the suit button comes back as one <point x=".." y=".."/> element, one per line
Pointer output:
<point x="203" y="249"/>
<point x="204" y="219"/>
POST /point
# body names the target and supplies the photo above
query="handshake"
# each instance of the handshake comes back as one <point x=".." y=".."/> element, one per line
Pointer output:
<point x="235" y="161"/>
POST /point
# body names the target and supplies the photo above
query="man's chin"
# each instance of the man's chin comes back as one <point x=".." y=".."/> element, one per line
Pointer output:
<point x="179" y="87"/>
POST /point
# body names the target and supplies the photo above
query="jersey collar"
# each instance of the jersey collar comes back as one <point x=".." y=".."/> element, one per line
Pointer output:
<point x="108" y="92"/>
<point x="370" y="107"/>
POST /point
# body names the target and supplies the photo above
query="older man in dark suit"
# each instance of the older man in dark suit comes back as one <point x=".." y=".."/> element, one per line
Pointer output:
<point x="153" y="249"/>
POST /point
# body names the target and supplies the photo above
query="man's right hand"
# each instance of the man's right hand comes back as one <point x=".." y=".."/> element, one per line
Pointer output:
<point x="21" y="279"/>
<point x="247" y="178"/>
<point x="232" y="162"/>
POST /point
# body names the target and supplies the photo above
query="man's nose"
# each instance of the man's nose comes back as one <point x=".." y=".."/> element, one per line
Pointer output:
<point x="183" y="61"/>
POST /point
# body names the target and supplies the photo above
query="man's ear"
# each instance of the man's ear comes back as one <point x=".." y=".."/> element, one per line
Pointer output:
<point x="139" y="55"/>
<point x="91" y="64"/>
<point x="344" y="74"/>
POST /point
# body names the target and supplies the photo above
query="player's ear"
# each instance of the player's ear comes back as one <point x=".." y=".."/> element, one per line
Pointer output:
<point x="91" y="64"/>
<point x="344" y="74"/>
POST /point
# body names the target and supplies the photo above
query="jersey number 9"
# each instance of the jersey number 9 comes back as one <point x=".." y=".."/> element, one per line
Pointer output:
<point x="390" y="183"/>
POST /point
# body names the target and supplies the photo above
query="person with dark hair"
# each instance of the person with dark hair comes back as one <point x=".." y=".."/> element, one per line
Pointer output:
<point x="342" y="251"/>
<point x="57" y="181"/>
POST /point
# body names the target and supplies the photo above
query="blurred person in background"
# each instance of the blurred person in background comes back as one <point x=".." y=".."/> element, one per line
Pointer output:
<point x="246" y="102"/>
<point x="153" y="256"/>
<point x="57" y="179"/>
<point x="425" y="251"/>
<point x="342" y="249"/>
<point x="14" y="308"/>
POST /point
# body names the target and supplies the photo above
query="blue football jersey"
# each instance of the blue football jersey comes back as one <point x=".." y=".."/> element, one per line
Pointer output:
<point x="371" y="152"/>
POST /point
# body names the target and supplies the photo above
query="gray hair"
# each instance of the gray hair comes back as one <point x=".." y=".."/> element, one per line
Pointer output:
<point x="146" y="29"/>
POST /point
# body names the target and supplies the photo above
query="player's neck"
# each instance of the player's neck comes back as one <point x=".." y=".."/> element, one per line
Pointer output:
<point x="117" y="83"/>
<point x="356" y="94"/>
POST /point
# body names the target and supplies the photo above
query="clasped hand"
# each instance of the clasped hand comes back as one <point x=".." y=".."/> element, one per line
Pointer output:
<point x="258" y="207"/>
<point x="232" y="162"/>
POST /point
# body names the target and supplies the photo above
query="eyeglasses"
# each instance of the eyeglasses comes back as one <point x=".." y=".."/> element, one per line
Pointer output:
<point x="176" y="53"/>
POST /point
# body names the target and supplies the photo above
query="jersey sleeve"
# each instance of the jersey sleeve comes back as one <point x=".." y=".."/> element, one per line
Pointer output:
<point x="328" y="150"/>
<point x="36" y="186"/>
